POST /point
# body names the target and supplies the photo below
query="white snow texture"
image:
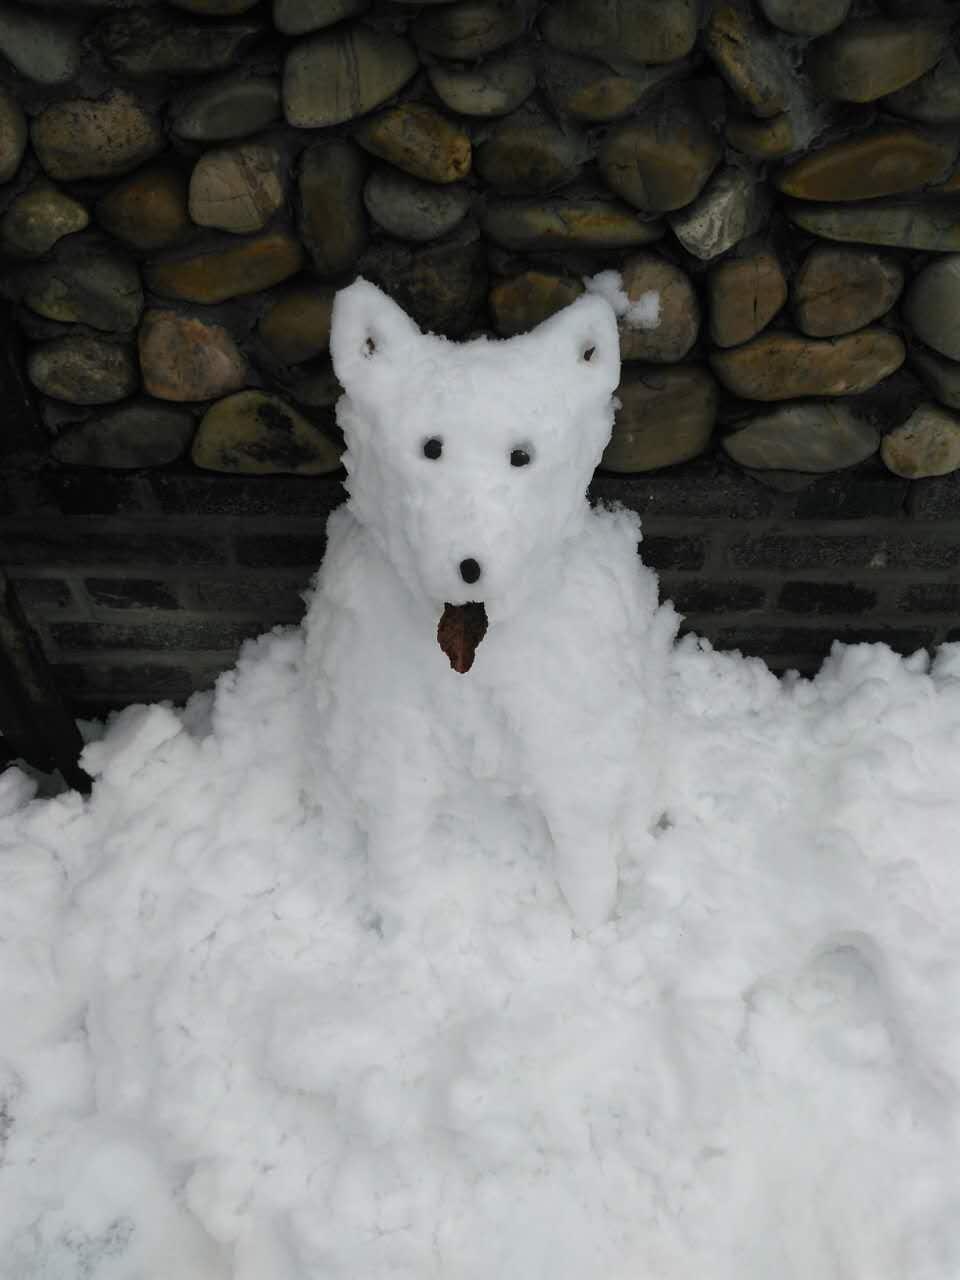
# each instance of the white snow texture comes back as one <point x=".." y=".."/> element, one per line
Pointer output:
<point x="607" y="959"/>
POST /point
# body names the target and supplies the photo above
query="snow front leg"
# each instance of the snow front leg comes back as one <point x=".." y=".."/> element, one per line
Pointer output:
<point x="586" y="846"/>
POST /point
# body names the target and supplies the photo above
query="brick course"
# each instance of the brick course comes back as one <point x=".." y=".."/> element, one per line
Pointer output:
<point x="143" y="586"/>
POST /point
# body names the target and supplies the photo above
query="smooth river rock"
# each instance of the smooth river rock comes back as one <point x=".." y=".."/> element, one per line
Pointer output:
<point x="555" y="222"/>
<point x="38" y="218"/>
<point x="419" y="140"/>
<point x="333" y="223"/>
<point x="935" y="97"/>
<point x="749" y="61"/>
<point x="594" y="92"/>
<point x="254" y="433"/>
<point x="148" y="210"/>
<point x="660" y="162"/>
<point x="932" y="306"/>
<point x="83" y="370"/>
<point x="927" y="224"/>
<point x="524" y="301"/>
<point x="939" y="375"/>
<point x="732" y="207"/>
<point x="469" y="29"/>
<point x="140" y="434"/>
<point x="228" y="107"/>
<point x="443" y="286"/>
<point x="294" y="17"/>
<point x="527" y="154"/>
<point x="237" y="189"/>
<point x="644" y="31"/>
<point x="89" y="281"/>
<point x="769" y="139"/>
<point x="806" y="17"/>
<point x="148" y="42"/>
<point x="679" y="318"/>
<point x="666" y="416"/>
<point x="883" y="162"/>
<point x="806" y="436"/>
<point x="184" y="357"/>
<point x="927" y="444"/>
<point x="95" y="137"/>
<point x="43" y="47"/>
<point x="215" y="8"/>
<point x="494" y="87"/>
<point x="13" y="134"/>
<point x="745" y="294"/>
<point x="414" y="210"/>
<point x="871" y="57"/>
<point x="840" y="290"/>
<point x="785" y="366"/>
<point x="337" y="76"/>
<point x="296" y="325"/>
<point x="229" y="272"/>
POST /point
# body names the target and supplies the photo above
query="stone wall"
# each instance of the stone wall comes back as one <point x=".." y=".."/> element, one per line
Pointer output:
<point x="184" y="185"/>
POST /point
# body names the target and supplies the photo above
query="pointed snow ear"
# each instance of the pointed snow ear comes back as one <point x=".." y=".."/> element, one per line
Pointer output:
<point x="584" y="337"/>
<point x="369" y="334"/>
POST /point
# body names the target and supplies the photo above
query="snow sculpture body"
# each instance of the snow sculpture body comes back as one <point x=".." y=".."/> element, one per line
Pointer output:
<point x="467" y="471"/>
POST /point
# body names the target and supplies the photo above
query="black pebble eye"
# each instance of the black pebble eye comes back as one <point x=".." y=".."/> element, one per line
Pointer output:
<point x="432" y="448"/>
<point x="519" y="458"/>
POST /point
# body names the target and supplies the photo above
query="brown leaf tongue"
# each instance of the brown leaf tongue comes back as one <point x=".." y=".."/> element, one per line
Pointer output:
<point x="461" y="628"/>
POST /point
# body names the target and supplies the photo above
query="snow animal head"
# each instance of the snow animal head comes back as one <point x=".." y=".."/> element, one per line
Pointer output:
<point x="469" y="462"/>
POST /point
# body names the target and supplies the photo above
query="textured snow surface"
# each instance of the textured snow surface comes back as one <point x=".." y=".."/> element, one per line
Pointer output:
<point x="213" y="1066"/>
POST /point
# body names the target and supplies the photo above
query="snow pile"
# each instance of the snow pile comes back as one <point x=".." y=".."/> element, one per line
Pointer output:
<point x="644" y="313"/>
<point x="308" y="988"/>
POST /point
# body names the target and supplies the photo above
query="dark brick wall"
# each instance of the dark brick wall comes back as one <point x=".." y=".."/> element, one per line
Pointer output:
<point x="142" y="586"/>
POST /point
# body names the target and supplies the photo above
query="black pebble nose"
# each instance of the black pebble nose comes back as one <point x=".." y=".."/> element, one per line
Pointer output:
<point x="469" y="570"/>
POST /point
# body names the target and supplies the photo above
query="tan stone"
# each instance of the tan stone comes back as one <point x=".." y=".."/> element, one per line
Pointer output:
<point x="521" y="303"/>
<point x="469" y="29"/>
<point x="733" y="205"/>
<point x="750" y="63"/>
<point x="872" y="57"/>
<point x="840" y="290"/>
<point x="884" y="162"/>
<point x="340" y="75"/>
<point x="231" y="272"/>
<point x="679" y="318"/>
<point x="804" y="436"/>
<point x="557" y="223"/>
<point x="83" y="370"/>
<point x="185" y="358"/>
<point x="254" y="433"/>
<point x="785" y="366"/>
<point x="495" y="87"/>
<point x="418" y="140"/>
<point x="333" y="224"/>
<point x="237" y="189"/>
<point x="147" y="210"/>
<point x="39" y="217"/>
<point x="745" y="294"/>
<point x="644" y="31"/>
<point x="666" y="416"/>
<point x="927" y="444"/>
<point x="13" y="134"/>
<point x="95" y="138"/>
<point x="296" y="326"/>
<point x="762" y="139"/>
<point x="928" y="224"/>
<point x="662" y="162"/>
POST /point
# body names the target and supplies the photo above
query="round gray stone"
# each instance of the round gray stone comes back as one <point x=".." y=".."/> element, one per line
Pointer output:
<point x="140" y="434"/>
<point x="528" y="154"/>
<point x="38" y="217"/>
<point x="43" y="47"/>
<point x="939" y="375"/>
<point x="928" y="224"/>
<point x="331" y="78"/>
<point x="495" y="87"/>
<point x="644" y="31"/>
<point x="806" y="17"/>
<point x="294" y="17"/>
<point x="932" y="306"/>
<point x="935" y="97"/>
<point x="839" y="290"/>
<point x="13" y="134"/>
<point x="95" y="137"/>
<point x="89" y="281"/>
<point x="414" y="210"/>
<point x="732" y="207"/>
<point x="230" y="107"/>
<point x="469" y="29"/>
<point x="83" y="370"/>
<point x="666" y="416"/>
<point x="803" y="436"/>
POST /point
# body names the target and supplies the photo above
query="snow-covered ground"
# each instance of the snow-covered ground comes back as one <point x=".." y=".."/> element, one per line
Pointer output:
<point x="212" y="1066"/>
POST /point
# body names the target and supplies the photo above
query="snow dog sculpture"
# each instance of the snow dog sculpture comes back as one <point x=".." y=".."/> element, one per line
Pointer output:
<point x="467" y="470"/>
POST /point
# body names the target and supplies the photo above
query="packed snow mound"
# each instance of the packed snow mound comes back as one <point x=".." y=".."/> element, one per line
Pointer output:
<point x="215" y="1066"/>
